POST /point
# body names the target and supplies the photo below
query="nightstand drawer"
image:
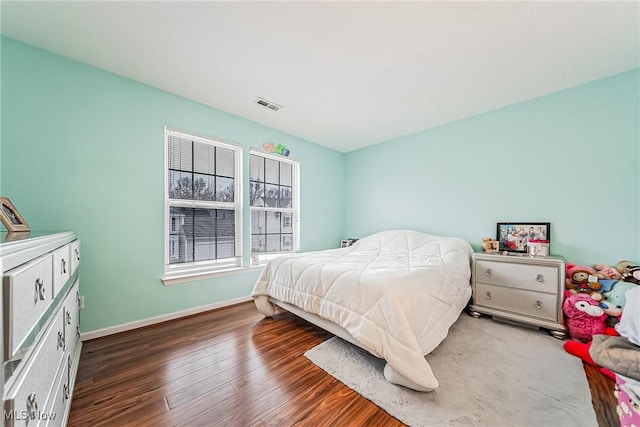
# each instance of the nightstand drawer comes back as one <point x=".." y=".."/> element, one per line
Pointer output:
<point x="529" y="303"/>
<point x="522" y="276"/>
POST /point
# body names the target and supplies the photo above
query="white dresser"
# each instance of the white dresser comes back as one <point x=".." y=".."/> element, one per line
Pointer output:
<point x="41" y="326"/>
<point x="524" y="289"/>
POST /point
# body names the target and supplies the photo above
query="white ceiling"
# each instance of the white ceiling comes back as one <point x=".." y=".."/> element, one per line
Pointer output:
<point x="349" y="74"/>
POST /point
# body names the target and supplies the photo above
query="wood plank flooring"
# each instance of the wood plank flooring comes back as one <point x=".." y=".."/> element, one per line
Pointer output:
<point x="230" y="367"/>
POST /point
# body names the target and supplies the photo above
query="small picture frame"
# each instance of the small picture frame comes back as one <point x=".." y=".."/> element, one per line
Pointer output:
<point x="348" y="242"/>
<point x="11" y="218"/>
<point x="490" y="246"/>
<point x="514" y="236"/>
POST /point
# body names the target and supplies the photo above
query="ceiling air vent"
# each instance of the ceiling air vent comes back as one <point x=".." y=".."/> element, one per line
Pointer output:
<point x="268" y="104"/>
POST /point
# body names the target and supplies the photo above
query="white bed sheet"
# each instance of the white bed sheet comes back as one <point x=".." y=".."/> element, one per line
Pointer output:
<point x="396" y="292"/>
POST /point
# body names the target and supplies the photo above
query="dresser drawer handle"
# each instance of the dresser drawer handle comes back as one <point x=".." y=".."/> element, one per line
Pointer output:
<point x="65" y="389"/>
<point x="539" y="278"/>
<point x="78" y="330"/>
<point x="68" y="313"/>
<point x="60" y="340"/>
<point x="488" y="272"/>
<point x="63" y="266"/>
<point x="32" y="406"/>
<point x="538" y="304"/>
<point x="488" y="295"/>
<point x="40" y="292"/>
<point x="77" y="254"/>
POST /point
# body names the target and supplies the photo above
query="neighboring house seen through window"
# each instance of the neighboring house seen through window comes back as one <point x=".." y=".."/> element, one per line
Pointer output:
<point x="203" y="201"/>
<point x="273" y="197"/>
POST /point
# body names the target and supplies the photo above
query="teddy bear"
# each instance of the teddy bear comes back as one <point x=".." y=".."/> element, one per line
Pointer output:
<point x="577" y="280"/>
<point x="584" y="316"/>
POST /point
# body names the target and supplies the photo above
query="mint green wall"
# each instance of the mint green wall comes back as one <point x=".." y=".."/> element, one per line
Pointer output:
<point x="570" y="158"/>
<point x="83" y="149"/>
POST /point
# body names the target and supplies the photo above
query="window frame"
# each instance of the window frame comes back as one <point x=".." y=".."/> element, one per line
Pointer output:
<point x="195" y="268"/>
<point x="259" y="258"/>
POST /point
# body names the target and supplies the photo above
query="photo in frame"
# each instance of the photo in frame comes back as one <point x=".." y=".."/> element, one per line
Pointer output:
<point x="490" y="246"/>
<point x="514" y="236"/>
<point x="11" y="218"/>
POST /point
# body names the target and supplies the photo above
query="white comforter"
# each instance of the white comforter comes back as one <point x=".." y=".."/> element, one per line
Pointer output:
<point x="396" y="292"/>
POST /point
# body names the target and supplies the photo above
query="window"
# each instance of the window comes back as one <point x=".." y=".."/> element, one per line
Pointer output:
<point x="274" y="201"/>
<point x="203" y="204"/>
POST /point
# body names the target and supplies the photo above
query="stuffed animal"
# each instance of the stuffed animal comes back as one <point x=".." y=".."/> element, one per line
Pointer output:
<point x="614" y="299"/>
<point x="630" y="271"/>
<point x="633" y="276"/>
<point x="584" y="316"/>
<point x="581" y="350"/>
<point x="570" y="268"/>
<point x="627" y="328"/>
<point x="582" y="279"/>
<point x="607" y="272"/>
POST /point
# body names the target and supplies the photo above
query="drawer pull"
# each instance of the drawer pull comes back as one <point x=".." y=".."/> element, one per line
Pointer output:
<point x="63" y="266"/>
<point x="77" y="254"/>
<point x="538" y="304"/>
<point x="488" y="295"/>
<point x="60" y="340"/>
<point x="78" y="330"/>
<point x="68" y="313"/>
<point x="65" y="389"/>
<point x="540" y="278"/>
<point x="488" y="272"/>
<point x="32" y="406"/>
<point x="78" y="297"/>
<point x="40" y="291"/>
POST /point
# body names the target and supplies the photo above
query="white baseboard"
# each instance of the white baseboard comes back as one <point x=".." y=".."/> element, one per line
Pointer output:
<point x="84" y="336"/>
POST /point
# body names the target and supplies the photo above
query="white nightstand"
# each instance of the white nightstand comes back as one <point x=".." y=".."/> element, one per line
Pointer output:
<point x="524" y="289"/>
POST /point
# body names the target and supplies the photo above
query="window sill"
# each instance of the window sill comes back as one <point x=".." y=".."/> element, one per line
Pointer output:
<point x="186" y="276"/>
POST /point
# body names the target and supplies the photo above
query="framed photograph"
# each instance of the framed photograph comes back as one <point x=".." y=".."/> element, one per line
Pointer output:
<point x="10" y="216"/>
<point x="348" y="242"/>
<point x="490" y="246"/>
<point x="514" y="236"/>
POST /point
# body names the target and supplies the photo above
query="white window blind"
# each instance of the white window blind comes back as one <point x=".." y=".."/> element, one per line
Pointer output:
<point x="273" y="197"/>
<point x="203" y="203"/>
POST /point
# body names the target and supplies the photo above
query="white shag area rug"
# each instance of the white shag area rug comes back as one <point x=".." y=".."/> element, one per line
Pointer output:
<point x="490" y="374"/>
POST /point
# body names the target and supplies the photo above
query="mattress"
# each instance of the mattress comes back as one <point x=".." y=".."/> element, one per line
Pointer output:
<point x="396" y="292"/>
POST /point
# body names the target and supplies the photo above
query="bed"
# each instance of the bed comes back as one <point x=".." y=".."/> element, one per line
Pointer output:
<point x="394" y="293"/>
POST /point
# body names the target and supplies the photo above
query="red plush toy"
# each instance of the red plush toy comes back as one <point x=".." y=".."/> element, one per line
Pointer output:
<point x="581" y="350"/>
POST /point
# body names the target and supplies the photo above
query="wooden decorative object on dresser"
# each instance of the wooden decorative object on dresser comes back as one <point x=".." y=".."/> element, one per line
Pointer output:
<point x="41" y="326"/>
<point x="523" y="289"/>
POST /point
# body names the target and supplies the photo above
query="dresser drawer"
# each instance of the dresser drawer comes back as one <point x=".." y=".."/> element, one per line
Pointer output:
<point x="27" y="295"/>
<point x="29" y="395"/>
<point x="55" y="410"/>
<point x="75" y="256"/>
<point x="71" y="309"/>
<point x="522" y="276"/>
<point x="544" y="306"/>
<point x="61" y="268"/>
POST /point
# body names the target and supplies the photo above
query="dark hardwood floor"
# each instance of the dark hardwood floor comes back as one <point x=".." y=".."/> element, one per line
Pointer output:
<point x="231" y="367"/>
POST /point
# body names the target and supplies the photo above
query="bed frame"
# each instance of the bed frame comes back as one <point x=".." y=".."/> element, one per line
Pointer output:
<point x="390" y="373"/>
